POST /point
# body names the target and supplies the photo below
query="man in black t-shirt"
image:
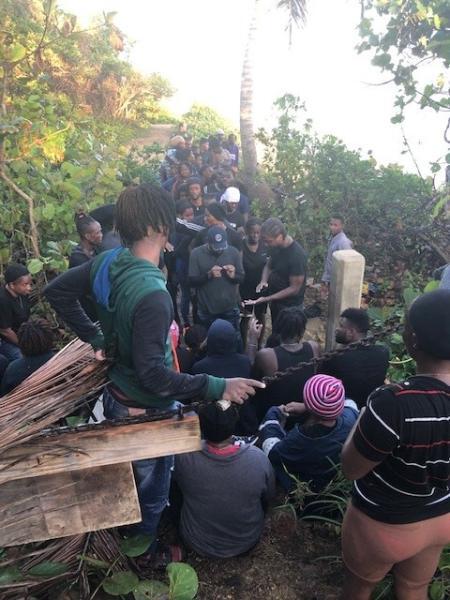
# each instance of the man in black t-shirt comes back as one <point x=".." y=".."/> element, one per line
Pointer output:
<point x="14" y="308"/>
<point x="284" y="276"/>
<point x="363" y="369"/>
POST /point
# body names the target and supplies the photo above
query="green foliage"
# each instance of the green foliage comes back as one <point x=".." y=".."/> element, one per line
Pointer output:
<point x="183" y="581"/>
<point x="10" y="575"/>
<point x="405" y="37"/>
<point x="151" y="590"/>
<point x="383" y="206"/>
<point x="136" y="545"/>
<point x="48" y="568"/>
<point x="202" y="121"/>
<point x="123" y="582"/>
<point x="72" y="105"/>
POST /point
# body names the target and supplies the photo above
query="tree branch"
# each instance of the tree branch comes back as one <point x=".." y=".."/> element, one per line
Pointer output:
<point x="34" y="237"/>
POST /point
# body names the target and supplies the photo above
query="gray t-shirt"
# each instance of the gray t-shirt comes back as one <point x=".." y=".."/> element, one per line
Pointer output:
<point x="337" y="242"/>
<point x="218" y="294"/>
<point x="445" y="279"/>
<point x="223" y="499"/>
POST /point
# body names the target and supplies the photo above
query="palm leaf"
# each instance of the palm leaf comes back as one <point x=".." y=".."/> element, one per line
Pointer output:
<point x="296" y="12"/>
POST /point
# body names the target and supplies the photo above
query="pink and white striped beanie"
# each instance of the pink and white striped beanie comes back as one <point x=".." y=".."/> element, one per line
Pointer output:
<point x="324" y="396"/>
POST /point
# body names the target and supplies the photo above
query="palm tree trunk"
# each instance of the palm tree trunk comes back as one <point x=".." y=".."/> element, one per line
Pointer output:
<point x="246" y="104"/>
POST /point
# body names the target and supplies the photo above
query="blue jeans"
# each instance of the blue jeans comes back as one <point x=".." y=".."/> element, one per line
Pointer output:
<point x="152" y="475"/>
<point x="10" y="351"/>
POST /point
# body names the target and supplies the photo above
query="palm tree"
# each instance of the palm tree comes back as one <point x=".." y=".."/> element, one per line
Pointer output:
<point x="296" y="13"/>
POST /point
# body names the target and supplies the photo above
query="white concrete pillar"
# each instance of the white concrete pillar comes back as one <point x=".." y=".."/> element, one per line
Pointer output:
<point x="347" y="275"/>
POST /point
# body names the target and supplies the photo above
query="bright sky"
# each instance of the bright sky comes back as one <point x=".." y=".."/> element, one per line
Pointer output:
<point x="199" y="45"/>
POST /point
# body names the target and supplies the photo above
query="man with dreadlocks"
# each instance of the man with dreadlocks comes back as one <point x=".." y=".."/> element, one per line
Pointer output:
<point x="135" y="313"/>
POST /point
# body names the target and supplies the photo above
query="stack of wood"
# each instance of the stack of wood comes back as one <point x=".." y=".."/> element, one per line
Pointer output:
<point x="76" y="481"/>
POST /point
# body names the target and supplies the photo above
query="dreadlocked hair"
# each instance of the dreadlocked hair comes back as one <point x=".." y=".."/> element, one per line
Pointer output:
<point x="35" y="337"/>
<point x="290" y="323"/>
<point x="140" y="207"/>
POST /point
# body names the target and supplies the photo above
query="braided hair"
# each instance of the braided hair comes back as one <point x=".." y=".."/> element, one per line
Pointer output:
<point x="83" y="222"/>
<point x="290" y="323"/>
<point x="35" y="337"/>
<point x="140" y="207"/>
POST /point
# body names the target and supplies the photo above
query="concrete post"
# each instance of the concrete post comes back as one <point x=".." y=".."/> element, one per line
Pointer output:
<point x="347" y="275"/>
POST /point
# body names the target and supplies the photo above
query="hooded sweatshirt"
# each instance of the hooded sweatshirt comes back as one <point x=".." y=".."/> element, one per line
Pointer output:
<point x="224" y="499"/>
<point x="135" y="312"/>
<point x="222" y="359"/>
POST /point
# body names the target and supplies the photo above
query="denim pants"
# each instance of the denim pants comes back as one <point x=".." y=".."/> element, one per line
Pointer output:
<point x="152" y="475"/>
<point x="10" y="351"/>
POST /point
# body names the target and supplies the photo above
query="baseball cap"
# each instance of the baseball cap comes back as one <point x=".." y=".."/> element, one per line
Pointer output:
<point x="231" y="194"/>
<point x="217" y="238"/>
<point x="220" y="132"/>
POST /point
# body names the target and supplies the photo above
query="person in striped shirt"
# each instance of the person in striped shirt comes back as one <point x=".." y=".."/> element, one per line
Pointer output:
<point x="399" y="458"/>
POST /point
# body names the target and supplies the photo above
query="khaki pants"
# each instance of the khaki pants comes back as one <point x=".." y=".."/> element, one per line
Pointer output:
<point x="370" y="549"/>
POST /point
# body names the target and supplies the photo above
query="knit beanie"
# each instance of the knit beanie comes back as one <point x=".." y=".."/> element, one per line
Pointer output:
<point x="324" y="396"/>
<point x="14" y="271"/>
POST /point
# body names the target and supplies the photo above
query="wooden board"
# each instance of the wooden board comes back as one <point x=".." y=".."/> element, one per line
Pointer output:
<point x="105" y="446"/>
<point x="52" y="506"/>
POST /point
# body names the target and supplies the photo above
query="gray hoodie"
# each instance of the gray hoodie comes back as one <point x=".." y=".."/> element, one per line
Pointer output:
<point x="224" y="499"/>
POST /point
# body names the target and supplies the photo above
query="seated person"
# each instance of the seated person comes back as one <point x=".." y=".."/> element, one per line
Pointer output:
<point x="36" y="344"/>
<point x="222" y="358"/>
<point x="290" y="327"/>
<point x="310" y="449"/>
<point x="226" y="488"/>
<point x="14" y="308"/>
<point x="363" y="369"/>
<point x="192" y="351"/>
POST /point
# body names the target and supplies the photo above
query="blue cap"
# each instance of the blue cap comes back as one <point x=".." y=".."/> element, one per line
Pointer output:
<point x="217" y="238"/>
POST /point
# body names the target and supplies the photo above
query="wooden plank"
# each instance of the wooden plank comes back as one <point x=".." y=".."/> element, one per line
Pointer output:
<point x="105" y="446"/>
<point x="52" y="506"/>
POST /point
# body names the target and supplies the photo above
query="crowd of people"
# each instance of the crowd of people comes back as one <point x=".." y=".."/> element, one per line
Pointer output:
<point x="172" y="284"/>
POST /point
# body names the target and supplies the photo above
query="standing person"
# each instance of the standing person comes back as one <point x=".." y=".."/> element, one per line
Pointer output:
<point x="233" y="149"/>
<point x="284" y="275"/>
<point x="195" y="196"/>
<point x="337" y="241"/>
<point x="135" y="313"/>
<point x="254" y="258"/>
<point x="181" y="242"/>
<point x="90" y="232"/>
<point x="209" y="183"/>
<point x="204" y="150"/>
<point x="14" y="308"/>
<point x="215" y="216"/>
<point x="226" y="178"/>
<point x="362" y="369"/>
<point x="184" y="173"/>
<point x="215" y="270"/>
<point x="230" y="199"/>
<point x="399" y="459"/>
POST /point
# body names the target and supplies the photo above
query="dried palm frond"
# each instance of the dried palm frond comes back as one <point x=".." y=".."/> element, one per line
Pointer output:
<point x="100" y="545"/>
<point x="64" y="383"/>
